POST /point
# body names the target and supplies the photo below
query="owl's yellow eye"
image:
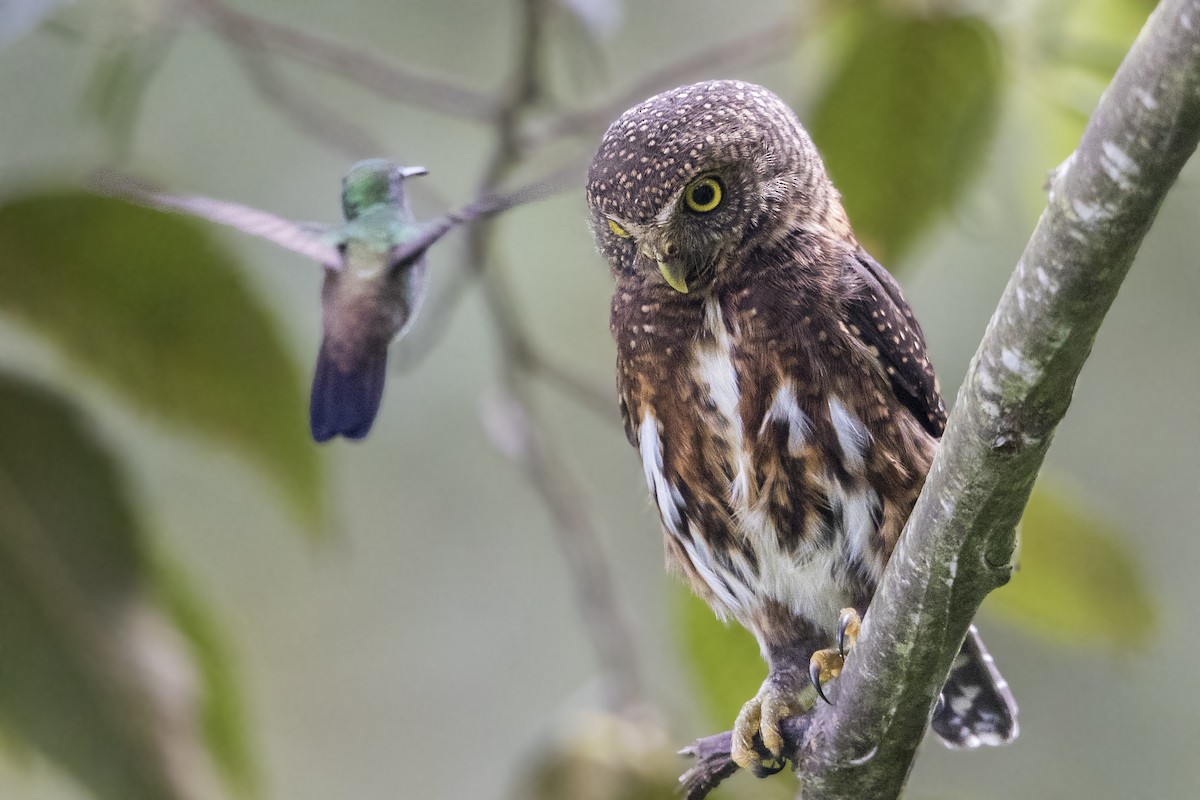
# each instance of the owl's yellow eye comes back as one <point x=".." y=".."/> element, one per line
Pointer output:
<point x="618" y="230"/>
<point x="703" y="195"/>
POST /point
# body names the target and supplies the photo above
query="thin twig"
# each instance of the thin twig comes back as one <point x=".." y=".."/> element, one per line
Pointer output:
<point x="567" y="500"/>
<point x="514" y="422"/>
<point x="311" y="118"/>
<point x="758" y="47"/>
<point x="440" y="312"/>
<point x="419" y="345"/>
<point x="586" y="393"/>
<point x="713" y="762"/>
<point x="578" y="537"/>
<point x="388" y="80"/>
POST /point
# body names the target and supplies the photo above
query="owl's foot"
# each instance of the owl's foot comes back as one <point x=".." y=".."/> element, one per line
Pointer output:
<point x="828" y="663"/>
<point x="757" y="736"/>
<point x="713" y="761"/>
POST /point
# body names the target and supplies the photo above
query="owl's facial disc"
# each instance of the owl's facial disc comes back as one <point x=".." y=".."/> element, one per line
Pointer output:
<point x="690" y="232"/>
<point x="654" y="243"/>
<point x="683" y="241"/>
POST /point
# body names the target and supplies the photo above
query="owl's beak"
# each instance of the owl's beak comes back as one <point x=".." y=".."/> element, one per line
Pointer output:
<point x="674" y="272"/>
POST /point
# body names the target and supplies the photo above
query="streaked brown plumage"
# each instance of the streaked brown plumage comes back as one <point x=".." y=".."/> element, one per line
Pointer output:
<point x="774" y="380"/>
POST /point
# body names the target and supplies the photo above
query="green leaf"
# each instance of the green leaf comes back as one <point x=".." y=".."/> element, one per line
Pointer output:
<point x="1074" y="51"/>
<point x="1094" y="35"/>
<point x="150" y="305"/>
<point x="905" y="121"/>
<point x="726" y="666"/>
<point x="93" y="675"/>
<point x="1076" y="581"/>
<point x="220" y="706"/>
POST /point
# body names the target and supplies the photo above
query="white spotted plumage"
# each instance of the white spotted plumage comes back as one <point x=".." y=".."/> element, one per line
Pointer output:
<point x="809" y="580"/>
<point x="853" y="437"/>
<point x="666" y="495"/>
<point x="785" y="408"/>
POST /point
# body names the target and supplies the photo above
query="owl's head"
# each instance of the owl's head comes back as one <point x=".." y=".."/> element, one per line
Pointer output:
<point x="686" y="179"/>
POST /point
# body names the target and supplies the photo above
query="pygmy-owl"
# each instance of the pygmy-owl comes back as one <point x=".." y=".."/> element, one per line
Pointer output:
<point x="775" y="382"/>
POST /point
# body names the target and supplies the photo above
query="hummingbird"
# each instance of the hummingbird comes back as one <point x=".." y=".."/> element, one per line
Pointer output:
<point x="375" y="276"/>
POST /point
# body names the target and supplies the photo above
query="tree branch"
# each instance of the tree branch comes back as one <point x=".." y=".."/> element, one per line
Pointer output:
<point x="528" y="438"/>
<point x="958" y="544"/>
<point x="757" y="47"/>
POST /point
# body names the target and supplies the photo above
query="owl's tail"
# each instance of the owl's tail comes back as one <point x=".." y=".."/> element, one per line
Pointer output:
<point x="344" y="403"/>
<point x="976" y="706"/>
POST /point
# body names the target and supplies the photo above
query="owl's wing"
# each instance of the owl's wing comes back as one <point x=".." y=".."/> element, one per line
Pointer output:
<point x="313" y="240"/>
<point x="883" y="319"/>
<point x="626" y="415"/>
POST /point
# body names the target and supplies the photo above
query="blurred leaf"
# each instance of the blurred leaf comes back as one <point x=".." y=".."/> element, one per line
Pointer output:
<point x="220" y="706"/>
<point x="905" y="121"/>
<point x="92" y="676"/>
<point x="1075" y="582"/>
<point x="148" y="303"/>
<point x="726" y="666"/>
<point x="19" y="17"/>
<point x="1091" y="35"/>
<point x="1076" y="49"/>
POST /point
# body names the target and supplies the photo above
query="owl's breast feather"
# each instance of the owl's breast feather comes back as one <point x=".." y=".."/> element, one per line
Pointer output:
<point x="744" y="501"/>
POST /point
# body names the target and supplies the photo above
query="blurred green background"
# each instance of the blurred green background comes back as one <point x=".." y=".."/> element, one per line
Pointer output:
<point x="195" y="601"/>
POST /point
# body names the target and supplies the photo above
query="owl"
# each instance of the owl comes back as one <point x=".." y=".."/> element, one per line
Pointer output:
<point x="776" y="385"/>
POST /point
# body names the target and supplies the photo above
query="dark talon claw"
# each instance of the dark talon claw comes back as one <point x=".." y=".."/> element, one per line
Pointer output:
<point x="814" y="673"/>
<point x="766" y="769"/>
<point x="843" y="623"/>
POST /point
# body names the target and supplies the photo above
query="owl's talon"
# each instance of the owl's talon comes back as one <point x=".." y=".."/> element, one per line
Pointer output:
<point x="823" y="665"/>
<point x="758" y="740"/>
<point x="828" y="663"/>
<point x="814" y="673"/>
<point x="849" y="624"/>
<point x="768" y="766"/>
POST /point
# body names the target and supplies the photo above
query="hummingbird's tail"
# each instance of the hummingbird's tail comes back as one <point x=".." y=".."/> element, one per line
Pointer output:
<point x="345" y="403"/>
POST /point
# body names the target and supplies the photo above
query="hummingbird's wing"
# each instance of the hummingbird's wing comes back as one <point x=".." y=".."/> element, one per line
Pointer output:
<point x="318" y="242"/>
<point x="434" y="229"/>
